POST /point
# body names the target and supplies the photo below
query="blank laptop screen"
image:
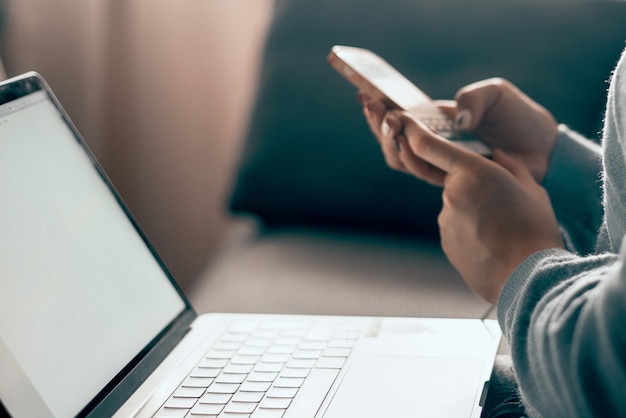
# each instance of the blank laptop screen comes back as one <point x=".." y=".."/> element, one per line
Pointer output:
<point x="80" y="292"/>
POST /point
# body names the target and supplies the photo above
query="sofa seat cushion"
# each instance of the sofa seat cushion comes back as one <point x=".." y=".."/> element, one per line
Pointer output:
<point x="308" y="271"/>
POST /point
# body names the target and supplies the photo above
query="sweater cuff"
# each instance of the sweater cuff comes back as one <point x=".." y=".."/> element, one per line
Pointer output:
<point x="574" y="170"/>
<point x="575" y="165"/>
<point x="518" y="280"/>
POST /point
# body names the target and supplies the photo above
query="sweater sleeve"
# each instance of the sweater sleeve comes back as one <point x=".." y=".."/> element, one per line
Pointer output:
<point x="562" y="315"/>
<point x="574" y="171"/>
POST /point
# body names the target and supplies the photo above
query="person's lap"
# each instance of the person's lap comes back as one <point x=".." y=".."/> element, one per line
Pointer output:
<point x="503" y="400"/>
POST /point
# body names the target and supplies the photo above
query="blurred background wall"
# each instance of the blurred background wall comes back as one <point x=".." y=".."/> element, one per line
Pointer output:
<point x="161" y="92"/>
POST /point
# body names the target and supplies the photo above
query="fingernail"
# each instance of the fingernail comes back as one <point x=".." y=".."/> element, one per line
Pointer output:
<point x="463" y="120"/>
<point x="385" y="128"/>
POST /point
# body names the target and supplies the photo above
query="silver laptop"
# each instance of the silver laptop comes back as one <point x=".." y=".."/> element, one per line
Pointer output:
<point x="92" y="324"/>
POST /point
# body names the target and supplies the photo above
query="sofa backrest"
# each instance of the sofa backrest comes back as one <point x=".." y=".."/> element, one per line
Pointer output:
<point x="309" y="158"/>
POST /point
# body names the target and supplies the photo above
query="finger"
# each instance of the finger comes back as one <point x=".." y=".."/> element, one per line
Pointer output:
<point x="391" y="149"/>
<point x="363" y="98"/>
<point x="385" y="128"/>
<point x="448" y="107"/>
<point x="432" y="148"/>
<point x="513" y="165"/>
<point x="390" y="128"/>
<point x="398" y="154"/>
<point x="374" y="111"/>
<point x="474" y="100"/>
<point x="416" y="166"/>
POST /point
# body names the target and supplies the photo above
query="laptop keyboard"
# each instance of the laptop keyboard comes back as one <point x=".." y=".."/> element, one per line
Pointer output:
<point x="265" y="370"/>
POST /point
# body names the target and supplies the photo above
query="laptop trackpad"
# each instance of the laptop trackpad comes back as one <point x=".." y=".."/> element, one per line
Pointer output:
<point x="399" y="386"/>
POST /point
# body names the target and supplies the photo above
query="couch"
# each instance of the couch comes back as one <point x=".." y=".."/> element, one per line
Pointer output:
<point x="324" y="226"/>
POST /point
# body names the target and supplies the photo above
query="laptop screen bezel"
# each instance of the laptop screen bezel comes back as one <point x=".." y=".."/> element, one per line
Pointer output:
<point x="126" y="381"/>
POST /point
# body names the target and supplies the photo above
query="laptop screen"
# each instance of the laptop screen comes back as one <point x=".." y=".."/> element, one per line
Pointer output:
<point x="81" y="294"/>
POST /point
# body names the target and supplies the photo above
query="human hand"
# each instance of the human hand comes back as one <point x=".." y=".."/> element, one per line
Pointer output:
<point x="495" y="111"/>
<point x="386" y="127"/>
<point x="494" y="213"/>
<point x="504" y="117"/>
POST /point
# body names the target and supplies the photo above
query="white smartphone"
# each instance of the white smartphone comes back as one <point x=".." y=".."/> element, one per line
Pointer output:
<point x="379" y="80"/>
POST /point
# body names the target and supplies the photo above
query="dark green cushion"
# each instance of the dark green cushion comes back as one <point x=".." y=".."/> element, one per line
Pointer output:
<point x="309" y="158"/>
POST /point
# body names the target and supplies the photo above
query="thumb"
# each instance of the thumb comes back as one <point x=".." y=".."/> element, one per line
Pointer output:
<point x="473" y="101"/>
<point x="448" y="107"/>
<point x="513" y="166"/>
<point x="432" y="148"/>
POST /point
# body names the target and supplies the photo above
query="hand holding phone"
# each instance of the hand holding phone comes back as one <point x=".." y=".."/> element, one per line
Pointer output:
<point x="379" y="80"/>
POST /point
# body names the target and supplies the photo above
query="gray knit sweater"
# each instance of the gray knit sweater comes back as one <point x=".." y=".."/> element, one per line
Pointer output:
<point x="564" y="312"/>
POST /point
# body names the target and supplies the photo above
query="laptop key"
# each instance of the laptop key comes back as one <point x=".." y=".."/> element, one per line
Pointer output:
<point x="238" y="368"/>
<point x="312" y="393"/>
<point x="307" y="354"/>
<point x="347" y="334"/>
<point x="255" y="386"/>
<point x="262" y="376"/>
<point x="320" y="333"/>
<point x="240" y="407"/>
<point x="197" y="382"/>
<point x="289" y="382"/>
<point x="171" y="413"/>
<point x="227" y="345"/>
<point x="206" y="409"/>
<point x="286" y="340"/>
<point x="268" y="413"/>
<point x="258" y="342"/>
<point x="336" y="352"/>
<point x="230" y="378"/>
<point x="183" y="392"/>
<point x="281" y="349"/>
<point x="234" y="338"/>
<point x="205" y="372"/>
<point x="275" y="403"/>
<point x="216" y="398"/>
<point x="248" y="396"/>
<point x="211" y="363"/>
<point x="227" y="415"/>
<point x="220" y="354"/>
<point x="330" y="362"/>
<point x="275" y="358"/>
<point x="228" y="388"/>
<point x="341" y="343"/>
<point x="268" y="367"/>
<point x="275" y="392"/>
<point x="291" y="372"/>
<point x="312" y="345"/>
<point x="245" y="360"/>
<point x="180" y="403"/>
<point x="301" y="363"/>
<point x="251" y="350"/>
